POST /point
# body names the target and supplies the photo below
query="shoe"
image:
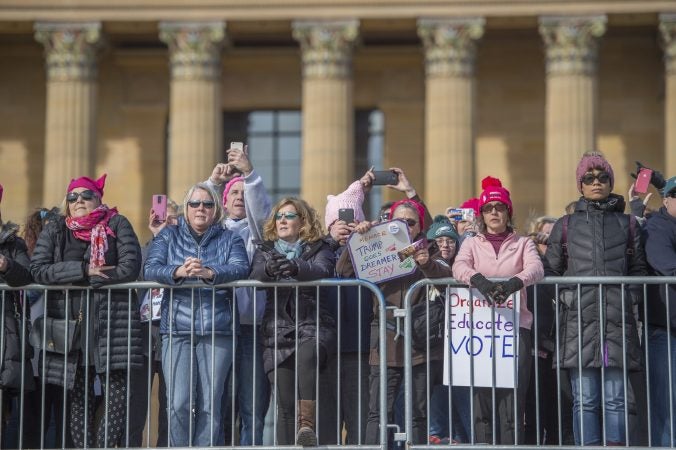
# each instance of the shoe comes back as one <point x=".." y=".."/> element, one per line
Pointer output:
<point x="306" y="436"/>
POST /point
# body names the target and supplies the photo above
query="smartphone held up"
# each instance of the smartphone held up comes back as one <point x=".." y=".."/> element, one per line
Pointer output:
<point x="160" y="207"/>
<point x="385" y="178"/>
<point x="643" y="180"/>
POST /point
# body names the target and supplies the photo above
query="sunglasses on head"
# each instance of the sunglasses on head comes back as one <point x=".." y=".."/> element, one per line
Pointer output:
<point x="208" y="204"/>
<point x="287" y="215"/>
<point x="588" y="179"/>
<point x="499" y="207"/>
<point x="86" y="195"/>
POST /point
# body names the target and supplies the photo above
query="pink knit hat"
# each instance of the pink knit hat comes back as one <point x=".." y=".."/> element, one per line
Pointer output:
<point x="86" y="182"/>
<point x="420" y="208"/>
<point x="352" y="197"/>
<point x="472" y="203"/>
<point x="494" y="192"/>
<point x="590" y="161"/>
<point x="228" y="186"/>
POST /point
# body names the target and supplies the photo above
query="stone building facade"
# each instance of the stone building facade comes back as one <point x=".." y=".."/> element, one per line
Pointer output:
<point x="149" y="91"/>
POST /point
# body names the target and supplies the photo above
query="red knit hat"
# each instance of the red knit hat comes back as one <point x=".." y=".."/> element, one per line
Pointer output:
<point x="494" y="192"/>
<point x="472" y="203"/>
<point x="590" y="161"/>
<point x="86" y="182"/>
<point x="418" y="207"/>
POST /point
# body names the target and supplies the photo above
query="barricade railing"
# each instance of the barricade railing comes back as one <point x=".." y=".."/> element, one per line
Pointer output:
<point x="336" y="373"/>
<point x="548" y="420"/>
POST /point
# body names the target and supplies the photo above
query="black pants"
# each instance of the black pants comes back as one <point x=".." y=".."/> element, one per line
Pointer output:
<point x="395" y="377"/>
<point x="138" y="404"/>
<point x="117" y="403"/>
<point x="507" y="425"/>
<point x="286" y="387"/>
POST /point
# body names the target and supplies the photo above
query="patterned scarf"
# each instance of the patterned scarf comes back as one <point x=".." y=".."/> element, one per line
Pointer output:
<point x="290" y="250"/>
<point x="94" y="229"/>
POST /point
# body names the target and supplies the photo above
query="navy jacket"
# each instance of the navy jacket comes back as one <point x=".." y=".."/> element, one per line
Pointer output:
<point x="220" y="250"/>
<point x="660" y="248"/>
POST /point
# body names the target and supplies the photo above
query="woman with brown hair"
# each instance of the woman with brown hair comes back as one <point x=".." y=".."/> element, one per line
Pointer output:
<point x="295" y="251"/>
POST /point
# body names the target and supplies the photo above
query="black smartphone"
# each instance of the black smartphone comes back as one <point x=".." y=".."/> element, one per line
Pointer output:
<point x="385" y="177"/>
<point x="346" y="215"/>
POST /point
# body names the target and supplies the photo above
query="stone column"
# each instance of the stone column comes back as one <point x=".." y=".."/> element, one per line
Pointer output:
<point x="450" y="51"/>
<point x="195" y="118"/>
<point x="328" y="114"/>
<point x="572" y="50"/>
<point x="668" y="34"/>
<point x="70" y="134"/>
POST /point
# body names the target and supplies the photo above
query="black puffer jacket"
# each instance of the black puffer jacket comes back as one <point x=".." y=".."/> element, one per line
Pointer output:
<point x="317" y="261"/>
<point x="49" y="267"/>
<point x="598" y="237"/>
<point x="14" y="249"/>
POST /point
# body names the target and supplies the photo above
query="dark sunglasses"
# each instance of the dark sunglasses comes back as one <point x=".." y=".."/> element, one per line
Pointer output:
<point x="410" y="222"/>
<point x="86" y="195"/>
<point x="672" y="194"/>
<point x="208" y="204"/>
<point x="589" y="178"/>
<point x="287" y="215"/>
<point x="499" y="207"/>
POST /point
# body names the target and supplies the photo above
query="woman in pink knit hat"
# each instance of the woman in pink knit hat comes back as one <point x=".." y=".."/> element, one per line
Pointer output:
<point x="497" y="251"/>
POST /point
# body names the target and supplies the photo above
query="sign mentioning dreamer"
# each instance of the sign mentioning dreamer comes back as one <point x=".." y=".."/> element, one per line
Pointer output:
<point x="374" y="253"/>
<point x="474" y="333"/>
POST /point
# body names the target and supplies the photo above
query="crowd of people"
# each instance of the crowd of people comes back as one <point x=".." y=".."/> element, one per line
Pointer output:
<point x="217" y="351"/>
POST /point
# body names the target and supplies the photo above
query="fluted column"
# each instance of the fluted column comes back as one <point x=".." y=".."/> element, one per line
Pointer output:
<point x="450" y="51"/>
<point x="195" y="122"/>
<point x="328" y="114"/>
<point x="668" y="34"/>
<point x="70" y="134"/>
<point x="572" y="53"/>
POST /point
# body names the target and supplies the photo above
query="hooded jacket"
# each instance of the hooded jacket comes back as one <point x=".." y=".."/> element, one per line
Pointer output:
<point x="598" y="237"/>
<point x="660" y="249"/>
<point x="220" y="250"/>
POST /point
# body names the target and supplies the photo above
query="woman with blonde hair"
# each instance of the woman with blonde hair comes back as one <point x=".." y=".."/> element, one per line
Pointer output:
<point x="295" y="319"/>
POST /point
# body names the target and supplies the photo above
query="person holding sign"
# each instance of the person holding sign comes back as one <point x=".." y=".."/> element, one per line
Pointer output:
<point x="295" y="319"/>
<point x="497" y="251"/>
<point x="413" y="214"/>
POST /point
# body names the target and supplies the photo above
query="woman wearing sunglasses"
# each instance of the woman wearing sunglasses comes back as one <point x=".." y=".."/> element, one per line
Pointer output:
<point x="597" y="329"/>
<point x="294" y="250"/>
<point x="93" y="246"/>
<point x="197" y="323"/>
<point x="498" y="252"/>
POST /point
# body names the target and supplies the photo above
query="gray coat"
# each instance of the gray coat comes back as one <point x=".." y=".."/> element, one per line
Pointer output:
<point x="598" y="237"/>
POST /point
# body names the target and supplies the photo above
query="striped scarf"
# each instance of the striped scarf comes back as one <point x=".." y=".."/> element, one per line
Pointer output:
<point x="94" y="228"/>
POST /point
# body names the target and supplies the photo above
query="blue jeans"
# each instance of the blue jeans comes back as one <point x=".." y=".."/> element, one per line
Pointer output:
<point x="461" y="413"/>
<point x="589" y="400"/>
<point x="177" y="360"/>
<point x="251" y="377"/>
<point x="659" y="360"/>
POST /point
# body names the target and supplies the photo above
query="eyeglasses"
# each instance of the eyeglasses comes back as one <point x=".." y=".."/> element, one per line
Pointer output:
<point x="672" y="194"/>
<point x="445" y="241"/>
<point x="589" y="178"/>
<point x="86" y="195"/>
<point x="410" y="222"/>
<point x="287" y="215"/>
<point x="499" y="207"/>
<point x="208" y="204"/>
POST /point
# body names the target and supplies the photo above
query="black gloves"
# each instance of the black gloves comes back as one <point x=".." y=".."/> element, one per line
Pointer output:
<point x="496" y="292"/>
<point x="657" y="179"/>
<point x="485" y="286"/>
<point x="273" y="265"/>
<point x="504" y="289"/>
<point x="289" y="268"/>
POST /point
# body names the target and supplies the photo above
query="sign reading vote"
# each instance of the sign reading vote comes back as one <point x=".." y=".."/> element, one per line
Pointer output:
<point x="478" y="333"/>
<point x="374" y="253"/>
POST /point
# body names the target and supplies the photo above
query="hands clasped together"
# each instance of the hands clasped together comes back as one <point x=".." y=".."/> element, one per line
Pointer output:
<point x="278" y="265"/>
<point x="193" y="268"/>
<point x="496" y="292"/>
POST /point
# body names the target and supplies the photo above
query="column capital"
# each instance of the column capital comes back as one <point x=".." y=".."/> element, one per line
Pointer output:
<point x="70" y="49"/>
<point x="572" y="43"/>
<point x="668" y="41"/>
<point x="194" y="49"/>
<point x="450" y="45"/>
<point x="326" y="46"/>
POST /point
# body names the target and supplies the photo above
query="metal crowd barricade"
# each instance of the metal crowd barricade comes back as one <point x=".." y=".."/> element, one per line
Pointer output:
<point x="14" y="417"/>
<point x="637" y="423"/>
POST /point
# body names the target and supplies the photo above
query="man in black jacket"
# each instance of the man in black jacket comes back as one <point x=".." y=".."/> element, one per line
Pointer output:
<point x="660" y="246"/>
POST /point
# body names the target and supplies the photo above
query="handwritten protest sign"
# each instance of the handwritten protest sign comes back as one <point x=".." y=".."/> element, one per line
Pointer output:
<point x="374" y="254"/>
<point x="473" y="333"/>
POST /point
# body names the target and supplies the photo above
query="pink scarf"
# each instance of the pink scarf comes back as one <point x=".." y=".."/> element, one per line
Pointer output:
<point x="94" y="228"/>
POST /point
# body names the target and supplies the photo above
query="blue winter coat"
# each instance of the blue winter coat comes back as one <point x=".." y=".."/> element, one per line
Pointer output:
<point x="221" y="251"/>
<point x="660" y="248"/>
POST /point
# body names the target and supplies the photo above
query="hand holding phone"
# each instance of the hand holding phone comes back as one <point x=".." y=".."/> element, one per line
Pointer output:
<point x="385" y="177"/>
<point x="160" y="207"/>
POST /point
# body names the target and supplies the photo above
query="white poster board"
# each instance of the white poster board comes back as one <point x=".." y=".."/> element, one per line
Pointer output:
<point x="374" y="254"/>
<point x="476" y="336"/>
<point x="152" y="304"/>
